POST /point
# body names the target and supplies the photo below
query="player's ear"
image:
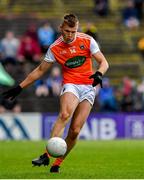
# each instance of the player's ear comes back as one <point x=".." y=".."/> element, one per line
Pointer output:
<point x="60" y="28"/>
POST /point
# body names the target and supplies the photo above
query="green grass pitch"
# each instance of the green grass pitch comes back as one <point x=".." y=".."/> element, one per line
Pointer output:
<point x="88" y="160"/>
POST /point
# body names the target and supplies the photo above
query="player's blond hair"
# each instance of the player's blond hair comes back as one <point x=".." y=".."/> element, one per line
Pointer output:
<point x="70" y="19"/>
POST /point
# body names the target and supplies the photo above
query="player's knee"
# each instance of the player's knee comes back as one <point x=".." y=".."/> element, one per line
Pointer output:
<point x="64" y="116"/>
<point x="74" y="132"/>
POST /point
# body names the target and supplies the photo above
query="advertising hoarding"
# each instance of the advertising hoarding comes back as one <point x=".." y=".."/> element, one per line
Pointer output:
<point x="101" y="126"/>
<point x="20" y="126"/>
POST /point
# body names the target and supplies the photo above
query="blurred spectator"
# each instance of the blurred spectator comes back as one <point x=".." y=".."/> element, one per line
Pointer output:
<point x="41" y="88"/>
<point x="127" y="98"/>
<point x="9" y="106"/>
<point x="118" y="97"/>
<point x="140" y="90"/>
<point x="127" y="104"/>
<point x="130" y="15"/>
<point x="127" y="86"/>
<point x="9" y="48"/>
<point x="32" y="32"/>
<point x="91" y="30"/>
<point x="127" y="92"/>
<point x="101" y="7"/>
<point x="139" y="7"/>
<point x="106" y="97"/>
<point x="54" y="81"/>
<point x="29" y="50"/>
<point x="5" y="77"/>
<point x="46" y="36"/>
<point x="137" y="98"/>
<point x="141" y="46"/>
<point x="139" y="103"/>
<point x="50" y="86"/>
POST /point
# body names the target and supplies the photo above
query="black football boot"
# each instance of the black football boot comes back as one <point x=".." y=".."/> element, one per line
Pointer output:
<point x="55" y="169"/>
<point x="42" y="160"/>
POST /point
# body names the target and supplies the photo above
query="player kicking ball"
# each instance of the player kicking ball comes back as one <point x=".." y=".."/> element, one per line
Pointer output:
<point x="73" y="51"/>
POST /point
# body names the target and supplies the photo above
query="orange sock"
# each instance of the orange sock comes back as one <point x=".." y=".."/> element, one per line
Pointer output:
<point x="47" y="153"/>
<point x="58" y="162"/>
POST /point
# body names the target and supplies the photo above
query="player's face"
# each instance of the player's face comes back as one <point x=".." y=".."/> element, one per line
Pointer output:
<point x="68" y="33"/>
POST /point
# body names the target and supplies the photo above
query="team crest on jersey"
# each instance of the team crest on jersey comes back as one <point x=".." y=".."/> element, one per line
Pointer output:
<point x="72" y="50"/>
<point x="82" y="46"/>
<point x="75" y="61"/>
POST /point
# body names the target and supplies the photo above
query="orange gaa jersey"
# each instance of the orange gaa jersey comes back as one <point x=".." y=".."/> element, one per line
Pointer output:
<point x="75" y="58"/>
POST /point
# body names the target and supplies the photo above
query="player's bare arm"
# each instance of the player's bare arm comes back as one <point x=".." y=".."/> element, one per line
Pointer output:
<point x="103" y="66"/>
<point x="33" y="76"/>
<point x="36" y="74"/>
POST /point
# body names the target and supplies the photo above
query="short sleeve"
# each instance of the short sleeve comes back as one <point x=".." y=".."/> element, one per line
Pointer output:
<point x="49" y="57"/>
<point x="94" y="48"/>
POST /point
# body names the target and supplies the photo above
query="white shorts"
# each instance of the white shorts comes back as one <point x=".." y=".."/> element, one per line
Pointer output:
<point x="82" y="92"/>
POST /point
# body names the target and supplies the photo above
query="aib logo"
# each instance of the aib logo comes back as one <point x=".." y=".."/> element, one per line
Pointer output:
<point x="8" y="130"/>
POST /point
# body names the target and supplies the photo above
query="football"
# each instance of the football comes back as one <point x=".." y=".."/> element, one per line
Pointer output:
<point x="56" y="147"/>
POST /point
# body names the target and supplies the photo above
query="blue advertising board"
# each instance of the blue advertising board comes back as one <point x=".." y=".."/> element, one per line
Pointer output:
<point x="105" y="126"/>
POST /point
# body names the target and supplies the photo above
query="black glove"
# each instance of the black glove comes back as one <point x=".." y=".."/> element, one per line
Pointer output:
<point x="12" y="93"/>
<point x="97" y="78"/>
